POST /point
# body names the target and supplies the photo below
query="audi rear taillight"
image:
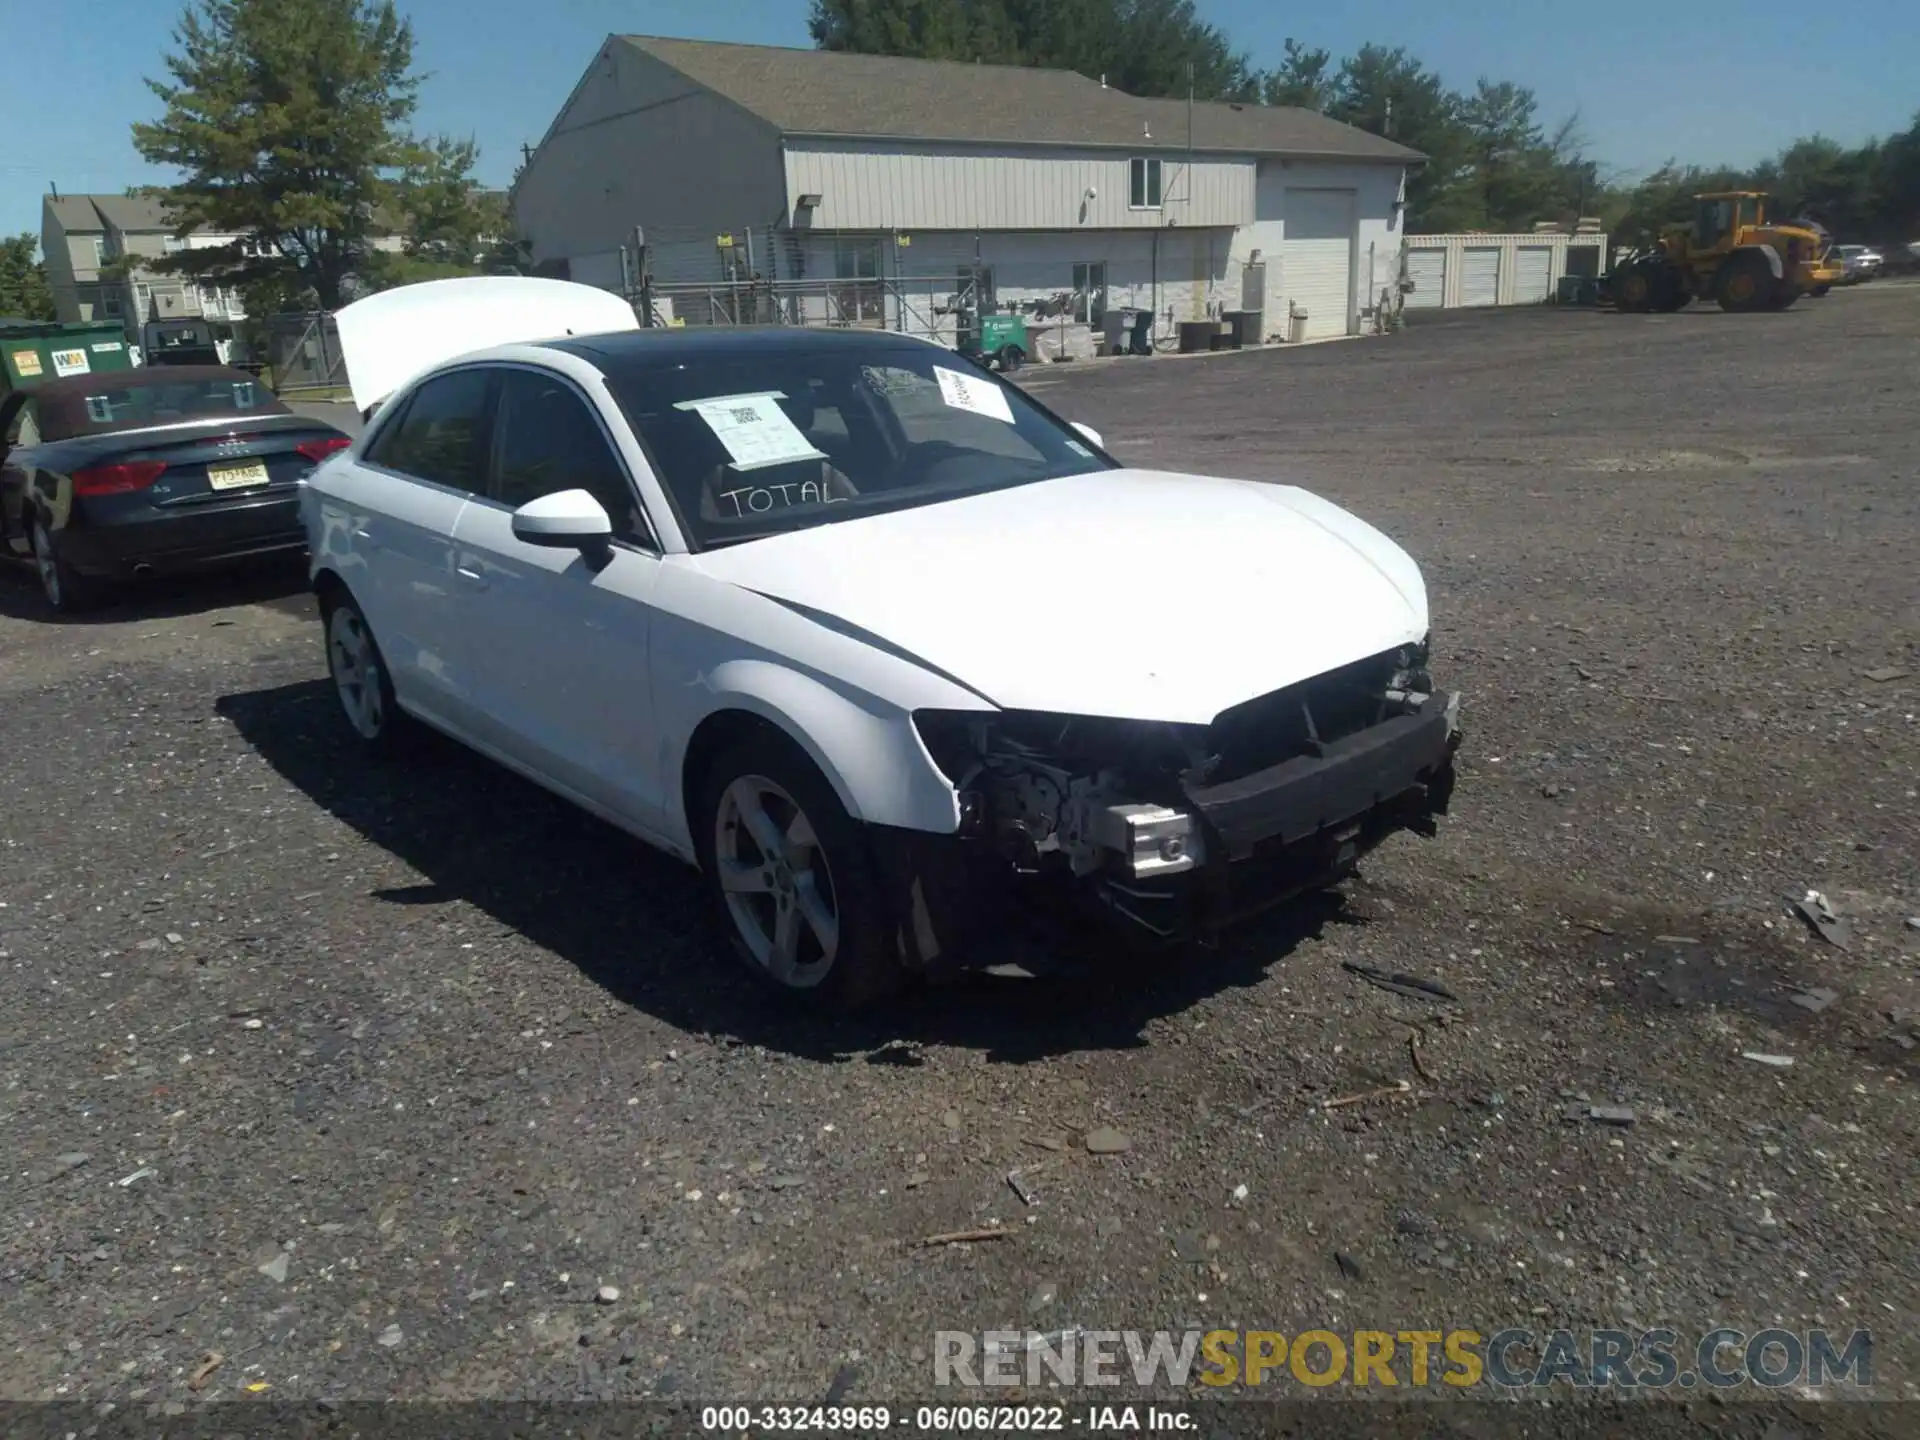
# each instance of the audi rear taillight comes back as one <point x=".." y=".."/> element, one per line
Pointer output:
<point x="318" y="450"/>
<point x="117" y="479"/>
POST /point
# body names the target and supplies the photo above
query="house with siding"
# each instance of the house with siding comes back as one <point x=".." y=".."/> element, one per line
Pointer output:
<point x="879" y="187"/>
<point x="99" y="250"/>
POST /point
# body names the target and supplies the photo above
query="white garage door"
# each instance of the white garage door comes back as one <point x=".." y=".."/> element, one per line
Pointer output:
<point x="1319" y="258"/>
<point x="1427" y="269"/>
<point x="1480" y="275"/>
<point x="1532" y="275"/>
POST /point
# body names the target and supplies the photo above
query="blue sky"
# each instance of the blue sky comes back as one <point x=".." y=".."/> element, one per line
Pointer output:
<point x="1695" y="83"/>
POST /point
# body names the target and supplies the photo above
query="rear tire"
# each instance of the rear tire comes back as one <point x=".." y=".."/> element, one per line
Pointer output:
<point x="1820" y="292"/>
<point x="1744" y="283"/>
<point x="360" y="679"/>
<point x="65" y="589"/>
<point x="791" y="879"/>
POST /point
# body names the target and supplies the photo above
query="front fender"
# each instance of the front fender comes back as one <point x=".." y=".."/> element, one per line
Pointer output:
<point x="869" y="751"/>
<point x="1773" y="258"/>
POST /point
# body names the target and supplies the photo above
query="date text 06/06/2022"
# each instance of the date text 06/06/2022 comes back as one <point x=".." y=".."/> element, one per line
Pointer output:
<point x="945" y="1419"/>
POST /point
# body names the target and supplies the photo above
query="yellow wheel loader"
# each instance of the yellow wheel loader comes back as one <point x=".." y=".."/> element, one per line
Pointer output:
<point x="1731" y="254"/>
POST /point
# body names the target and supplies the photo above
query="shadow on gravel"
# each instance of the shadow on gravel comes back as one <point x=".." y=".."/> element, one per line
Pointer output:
<point x="632" y="920"/>
<point x="279" y="582"/>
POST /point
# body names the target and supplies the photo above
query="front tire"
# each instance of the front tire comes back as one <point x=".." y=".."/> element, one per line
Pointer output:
<point x="1744" y="283"/>
<point x="360" y="679"/>
<point x="1633" y="289"/>
<point x="791" y="879"/>
<point x="65" y="589"/>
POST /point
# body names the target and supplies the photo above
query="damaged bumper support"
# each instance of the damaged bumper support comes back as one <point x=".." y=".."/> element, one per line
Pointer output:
<point x="1215" y="854"/>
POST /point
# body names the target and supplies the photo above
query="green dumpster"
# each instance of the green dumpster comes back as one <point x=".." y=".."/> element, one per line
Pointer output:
<point x="37" y="351"/>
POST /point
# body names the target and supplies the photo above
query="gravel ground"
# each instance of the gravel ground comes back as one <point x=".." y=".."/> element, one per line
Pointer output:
<point x="369" y="1078"/>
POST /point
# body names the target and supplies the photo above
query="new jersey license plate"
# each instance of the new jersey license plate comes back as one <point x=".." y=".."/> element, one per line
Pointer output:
<point x="236" y="477"/>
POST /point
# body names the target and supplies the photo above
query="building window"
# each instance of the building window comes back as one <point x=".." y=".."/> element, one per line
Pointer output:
<point x="171" y="243"/>
<point x="856" y="259"/>
<point x="110" y="302"/>
<point x="1090" y="291"/>
<point x="1144" y="183"/>
<point x="860" y="300"/>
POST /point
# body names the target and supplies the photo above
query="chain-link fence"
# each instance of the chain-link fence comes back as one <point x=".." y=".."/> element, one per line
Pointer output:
<point x="302" y="352"/>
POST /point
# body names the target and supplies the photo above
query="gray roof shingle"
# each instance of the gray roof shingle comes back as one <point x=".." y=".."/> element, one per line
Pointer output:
<point x="134" y="212"/>
<point x="74" y="213"/>
<point x="137" y="214"/>
<point x="822" y="92"/>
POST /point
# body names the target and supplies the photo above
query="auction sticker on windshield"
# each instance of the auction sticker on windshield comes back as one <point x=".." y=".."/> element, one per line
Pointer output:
<point x="755" y="430"/>
<point x="982" y="397"/>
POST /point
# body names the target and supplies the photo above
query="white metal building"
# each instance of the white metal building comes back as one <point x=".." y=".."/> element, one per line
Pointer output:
<point x="871" y="190"/>
<point x="1466" y="270"/>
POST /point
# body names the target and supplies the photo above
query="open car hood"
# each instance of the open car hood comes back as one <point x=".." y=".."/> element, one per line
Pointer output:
<point x="1125" y="593"/>
<point x="388" y="338"/>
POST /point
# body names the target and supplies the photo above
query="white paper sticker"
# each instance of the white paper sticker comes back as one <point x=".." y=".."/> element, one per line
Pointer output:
<point x="965" y="392"/>
<point x="106" y="347"/>
<point x="1079" y="449"/>
<point x="70" y="362"/>
<point x="755" y="430"/>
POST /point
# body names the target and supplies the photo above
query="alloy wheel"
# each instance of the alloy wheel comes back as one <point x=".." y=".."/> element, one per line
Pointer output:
<point x="355" y="664"/>
<point x="47" y="564"/>
<point x="776" y="881"/>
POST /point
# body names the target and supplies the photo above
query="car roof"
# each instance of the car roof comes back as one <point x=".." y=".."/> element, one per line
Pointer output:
<point x="712" y="342"/>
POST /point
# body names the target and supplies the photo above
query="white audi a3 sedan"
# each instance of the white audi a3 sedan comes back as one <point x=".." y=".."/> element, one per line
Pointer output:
<point x="886" y="650"/>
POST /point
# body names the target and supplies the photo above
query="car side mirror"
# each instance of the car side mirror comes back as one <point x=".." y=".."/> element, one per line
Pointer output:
<point x="565" y="520"/>
<point x="1090" y="435"/>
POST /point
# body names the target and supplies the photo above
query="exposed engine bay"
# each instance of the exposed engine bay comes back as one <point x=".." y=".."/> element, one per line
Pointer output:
<point x="1144" y="814"/>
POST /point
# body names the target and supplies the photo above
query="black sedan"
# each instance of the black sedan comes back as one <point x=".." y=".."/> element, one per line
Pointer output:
<point x="153" y="471"/>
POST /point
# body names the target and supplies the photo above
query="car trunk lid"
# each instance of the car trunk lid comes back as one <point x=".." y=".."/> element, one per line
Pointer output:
<point x="201" y="465"/>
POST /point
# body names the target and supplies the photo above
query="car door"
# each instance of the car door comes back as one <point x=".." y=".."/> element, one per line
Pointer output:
<point x="559" y="644"/>
<point x="19" y="433"/>
<point x="403" y="500"/>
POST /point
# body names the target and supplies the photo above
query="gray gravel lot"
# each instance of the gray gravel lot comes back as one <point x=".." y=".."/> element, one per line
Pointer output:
<point x="368" y="1078"/>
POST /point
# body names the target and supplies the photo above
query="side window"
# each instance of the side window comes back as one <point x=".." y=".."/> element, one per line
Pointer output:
<point x="443" y="433"/>
<point x="550" y="441"/>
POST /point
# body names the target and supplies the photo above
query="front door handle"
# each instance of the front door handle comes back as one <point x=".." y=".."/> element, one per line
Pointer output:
<point x="473" y="577"/>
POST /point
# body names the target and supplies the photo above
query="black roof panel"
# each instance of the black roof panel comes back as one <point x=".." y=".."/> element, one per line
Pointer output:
<point x="689" y="342"/>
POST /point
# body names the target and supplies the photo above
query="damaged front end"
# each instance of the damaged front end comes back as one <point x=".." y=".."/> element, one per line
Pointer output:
<point x="1177" y="830"/>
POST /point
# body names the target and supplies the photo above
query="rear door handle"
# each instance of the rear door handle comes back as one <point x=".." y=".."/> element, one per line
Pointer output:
<point x="473" y="577"/>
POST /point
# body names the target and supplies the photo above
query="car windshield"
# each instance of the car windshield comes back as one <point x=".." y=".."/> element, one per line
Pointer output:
<point x="137" y="399"/>
<point x="749" y="445"/>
